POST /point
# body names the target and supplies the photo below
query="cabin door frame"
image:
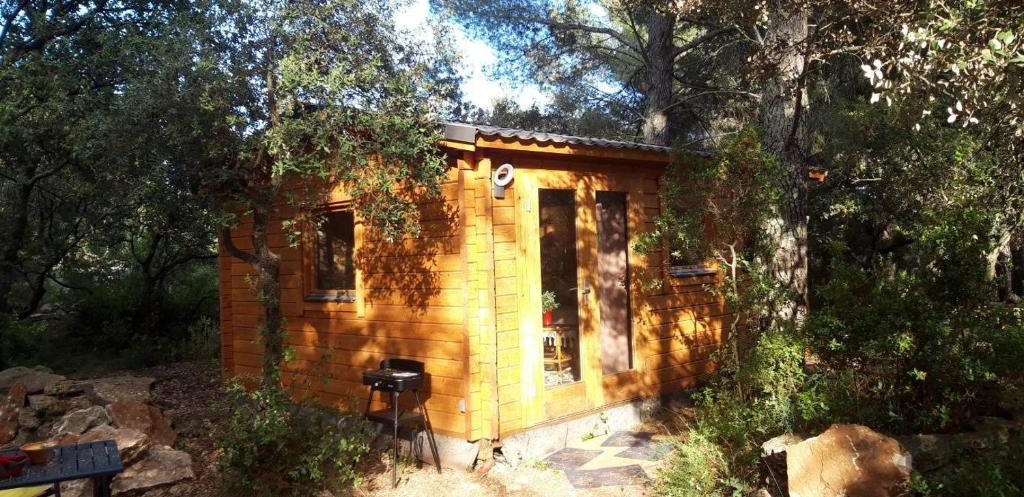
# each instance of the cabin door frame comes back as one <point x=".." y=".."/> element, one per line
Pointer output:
<point x="595" y="388"/>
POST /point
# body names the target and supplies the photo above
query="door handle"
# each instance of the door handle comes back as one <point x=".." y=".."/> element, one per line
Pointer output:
<point x="585" y="292"/>
<point x="586" y="288"/>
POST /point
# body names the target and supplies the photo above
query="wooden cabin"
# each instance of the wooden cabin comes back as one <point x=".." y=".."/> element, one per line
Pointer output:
<point x="465" y="295"/>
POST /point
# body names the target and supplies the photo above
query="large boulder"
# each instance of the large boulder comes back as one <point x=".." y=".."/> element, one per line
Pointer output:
<point x="160" y="467"/>
<point x="123" y="388"/>
<point x="131" y="444"/>
<point x="144" y="418"/>
<point x="79" y="421"/>
<point x="35" y="379"/>
<point x="848" y="461"/>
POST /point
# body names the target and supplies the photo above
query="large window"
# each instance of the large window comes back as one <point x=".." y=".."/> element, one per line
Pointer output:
<point x="335" y="246"/>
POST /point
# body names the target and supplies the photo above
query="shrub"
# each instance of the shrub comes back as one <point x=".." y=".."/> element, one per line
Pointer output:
<point x="698" y="467"/>
<point x="738" y="411"/>
<point x="909" y="354"/>
<point x="274" y="447"/>
<point x="992" y="474"/>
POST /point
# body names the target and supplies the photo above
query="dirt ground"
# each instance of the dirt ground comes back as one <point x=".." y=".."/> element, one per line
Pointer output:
<point x="191" y="395"/>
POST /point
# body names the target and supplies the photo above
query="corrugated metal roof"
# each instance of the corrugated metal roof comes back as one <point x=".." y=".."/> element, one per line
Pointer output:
<point x="467" y="133"/>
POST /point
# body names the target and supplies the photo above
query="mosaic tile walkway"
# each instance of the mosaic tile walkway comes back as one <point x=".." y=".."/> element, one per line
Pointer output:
<point x="622" y="458"/>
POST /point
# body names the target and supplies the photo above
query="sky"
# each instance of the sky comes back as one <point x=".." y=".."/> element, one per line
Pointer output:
<point x="480" y="87"/>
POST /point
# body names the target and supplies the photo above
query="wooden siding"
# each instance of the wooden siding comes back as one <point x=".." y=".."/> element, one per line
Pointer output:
<point x="463" y="297"/>
<point x="410" y="303"/>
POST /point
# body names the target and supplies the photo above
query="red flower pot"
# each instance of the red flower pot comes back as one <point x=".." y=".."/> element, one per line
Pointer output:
<point x="549" y="317"/>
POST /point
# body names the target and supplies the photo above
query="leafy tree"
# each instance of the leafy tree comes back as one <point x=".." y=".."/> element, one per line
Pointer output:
<point x="327" y="96"/>
<point x="99" y="99"/>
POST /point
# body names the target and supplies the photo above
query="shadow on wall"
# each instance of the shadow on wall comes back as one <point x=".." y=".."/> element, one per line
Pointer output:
<point x="413" y="309"/>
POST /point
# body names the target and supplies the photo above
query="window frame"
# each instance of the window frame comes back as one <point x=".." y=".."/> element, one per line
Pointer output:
<point x="309" y="264"/>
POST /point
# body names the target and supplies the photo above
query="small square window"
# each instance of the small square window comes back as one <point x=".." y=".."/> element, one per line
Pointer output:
<point x="335" y="243"/>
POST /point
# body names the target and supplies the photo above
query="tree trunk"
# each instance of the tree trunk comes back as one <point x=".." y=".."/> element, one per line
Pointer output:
<point x="268" y="271"/>
<point x="659" y="58"/>
<point x="10" y="250"/>
<point x="782" y="124"/>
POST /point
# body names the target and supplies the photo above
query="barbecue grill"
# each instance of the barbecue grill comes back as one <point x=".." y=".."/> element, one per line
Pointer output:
<point x="396" y="376"/>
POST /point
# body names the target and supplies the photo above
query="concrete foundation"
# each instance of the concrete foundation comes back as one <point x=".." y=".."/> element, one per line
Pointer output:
<point x="535" y="443"/>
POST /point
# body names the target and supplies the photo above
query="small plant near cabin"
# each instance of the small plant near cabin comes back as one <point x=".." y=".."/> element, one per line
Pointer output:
<point x="548" y="301"/>
<point x="274" y="447"/>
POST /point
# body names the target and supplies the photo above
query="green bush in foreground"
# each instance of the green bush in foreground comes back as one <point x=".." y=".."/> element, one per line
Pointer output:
<point x="274" y="447"/>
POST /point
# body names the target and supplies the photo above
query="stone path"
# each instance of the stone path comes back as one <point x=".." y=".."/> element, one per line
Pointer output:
<point x="622" y="458"/>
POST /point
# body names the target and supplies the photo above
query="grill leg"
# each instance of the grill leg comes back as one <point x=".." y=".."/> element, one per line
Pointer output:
<point x="394" y="462"/>
<point x="101" y="486"/>
<point x="368" y="401"/>
<point x="429" y="430"/>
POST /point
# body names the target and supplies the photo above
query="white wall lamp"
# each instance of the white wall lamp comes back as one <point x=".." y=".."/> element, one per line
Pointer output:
<point x="502" y="177"/>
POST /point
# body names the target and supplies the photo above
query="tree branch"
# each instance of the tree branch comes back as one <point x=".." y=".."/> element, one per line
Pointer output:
<point x="225" y="237"/>
<point x="701" y="40"/>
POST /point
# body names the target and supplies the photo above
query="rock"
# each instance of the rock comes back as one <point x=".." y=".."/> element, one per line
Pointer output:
<point x="79" y="421"/>
<point x="779" y="444"/>
<point x="20" y="439"/>
<point x="81" y="402"/>
<point x="123" y="388"/>
<point x="8" y="420"/>
<point x="132" y="444"/>
<point x="76" y="488"/>
<point x="35" y="380"/>
<point x="66" y="388"/>
<point x="43" y="404"/>
<point x="773" y="453"/>
<point x="8" y="427"/>
<point x="848" y="461"/>
<point x="28" y="419"/>
<point x="16" y="396"/>
<point x="161" y="467"/>
<point x="144" y="418"/>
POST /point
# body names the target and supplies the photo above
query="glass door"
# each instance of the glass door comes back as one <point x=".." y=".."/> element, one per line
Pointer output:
<point x="559" y="287"/>
<point x="576" y="331"/>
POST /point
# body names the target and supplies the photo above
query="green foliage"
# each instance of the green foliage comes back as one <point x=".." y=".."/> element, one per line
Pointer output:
<point x="698" y="467"/>
<point x="921" y="356"/>
<point x="273" y="447"/>
<point x="905" y="320"/>
<point x="99" y="330"/>
<point x="548" y="302"/>
<point x="716" y="207"/>
<point x="324" y="95"/>
<point x="997" y="473"/>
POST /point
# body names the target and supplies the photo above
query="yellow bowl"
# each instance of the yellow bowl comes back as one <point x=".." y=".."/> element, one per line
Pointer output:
<point x="38" y="452"/>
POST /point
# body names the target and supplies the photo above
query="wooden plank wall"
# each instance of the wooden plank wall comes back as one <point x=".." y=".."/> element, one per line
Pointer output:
<point x="676" y="325"/>
<point x="411" y="304"/>
<point x="480" y="272"/>
<point x="680" y="322"/>
<point x="227" y="356"/>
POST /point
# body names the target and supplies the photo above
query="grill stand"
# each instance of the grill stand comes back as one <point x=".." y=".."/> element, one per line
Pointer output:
<point x="396" y="418"/>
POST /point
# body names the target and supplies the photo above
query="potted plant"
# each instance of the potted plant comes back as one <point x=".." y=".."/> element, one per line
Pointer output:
<point x="548" y="305"/>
